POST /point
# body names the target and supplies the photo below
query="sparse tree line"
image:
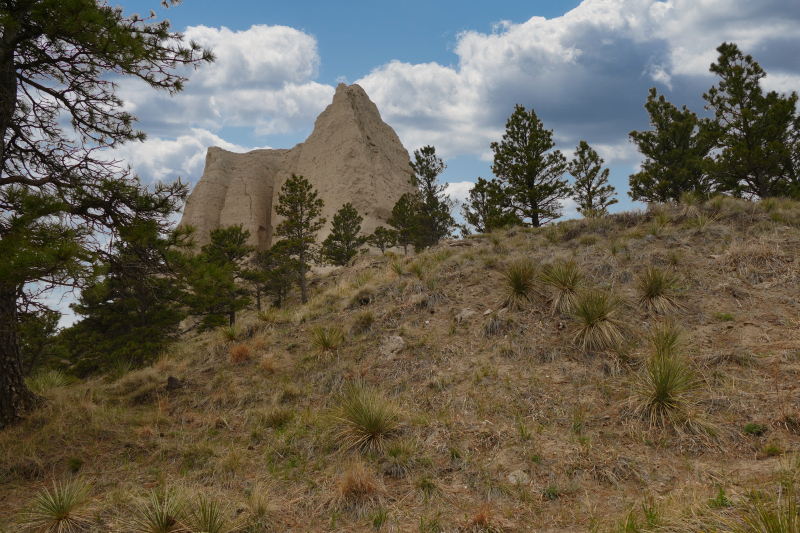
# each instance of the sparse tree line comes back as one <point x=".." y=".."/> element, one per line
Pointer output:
<point x="72" y="220"/>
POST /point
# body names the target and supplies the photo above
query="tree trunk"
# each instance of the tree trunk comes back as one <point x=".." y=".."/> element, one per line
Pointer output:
<point x="15" y="398"/>
<point x="303" y="296"/>
<point x="258" y="298"/>
<point x="232" y="315"/>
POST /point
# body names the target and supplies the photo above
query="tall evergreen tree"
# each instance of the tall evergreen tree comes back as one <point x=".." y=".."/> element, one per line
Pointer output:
<point x="433" y="207"/>
<point x="530" y="172"/>
<point x="133" y="311"/>
<point x="342" y="244"/>
<point x="591" y="189"/>
<point x="487" y="207"/>
<point x="59" y="61"/>
<point x="756" y="131"/>
<point x="404" y="220"/>
<point x="219" y="269"/>
<point x="676" y="153"/>
<point x="300" y="205"/>
<point x="281" y="271"/>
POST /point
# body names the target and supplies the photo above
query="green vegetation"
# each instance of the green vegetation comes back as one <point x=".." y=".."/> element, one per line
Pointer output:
<point x="595" y="313"/>
<point x="591" y="189"/>
<point x="519" y="283"/>
<point x="343" y="242"/>
<point x="565" y="279"/>
<point x="658" y="290"/>
<point x="367" y="420"/>
<point x="66" y="508"/>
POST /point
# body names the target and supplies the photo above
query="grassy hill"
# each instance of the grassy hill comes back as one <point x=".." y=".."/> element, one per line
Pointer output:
<point x="642" y="378"/>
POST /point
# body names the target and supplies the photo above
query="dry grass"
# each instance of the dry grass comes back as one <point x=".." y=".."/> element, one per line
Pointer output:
<point x="500" y="406"/>
<point x="519" y="281"/>
<point x="566" y="280"/>
<point x="239" y="353"/>
<point x="658" y="290"/>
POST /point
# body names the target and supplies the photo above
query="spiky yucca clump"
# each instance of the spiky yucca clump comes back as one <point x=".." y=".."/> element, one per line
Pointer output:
<point x="519" y="283"/>
<point x="43" y="381"/>
<point x="368" y="419"/>
<point x="209" y="516"/>
<point x="270" y="316"/>
<point x="565" y="279"/>
<point x="595" y="313"/>
<point x="759" y="514"/>
<point x="162" y="514"/>
<point x="664" y="389"/>
<point x="666" y="339"/>
<point x="65" y="509"/>
<point x="326" y="339"/>
<point x="658" y="290"/>
<point x="231" y="333"/>
<point x="397" y="267"/>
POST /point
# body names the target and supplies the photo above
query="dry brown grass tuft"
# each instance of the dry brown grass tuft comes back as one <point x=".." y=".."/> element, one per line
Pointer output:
<point x="658" y="290"/>
<point x="268" y="363"/>
<point x="357" y="489"/>
<point x="239" y="353"/>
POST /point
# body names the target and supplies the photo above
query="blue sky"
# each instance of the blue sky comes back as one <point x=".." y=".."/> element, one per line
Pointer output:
<point x="449" y="73"/>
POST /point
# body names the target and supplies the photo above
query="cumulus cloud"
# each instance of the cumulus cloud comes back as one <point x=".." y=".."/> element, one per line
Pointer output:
<point x="263" y="79"/>
<point x="586" y="73"/>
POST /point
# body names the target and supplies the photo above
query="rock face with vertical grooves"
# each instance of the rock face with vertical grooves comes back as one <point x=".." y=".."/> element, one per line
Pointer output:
<point x="351" y="156"/>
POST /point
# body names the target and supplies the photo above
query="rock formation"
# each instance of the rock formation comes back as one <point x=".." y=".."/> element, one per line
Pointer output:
<point x="351" y="156"/>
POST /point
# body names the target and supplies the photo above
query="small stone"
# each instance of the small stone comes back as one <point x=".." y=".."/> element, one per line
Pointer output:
<point x="464" y="314"/>
<point x="391" y="346"/>
<point x="518" y="477"/>
<point x="502" y="311"/>
<point x="488" y="311"/>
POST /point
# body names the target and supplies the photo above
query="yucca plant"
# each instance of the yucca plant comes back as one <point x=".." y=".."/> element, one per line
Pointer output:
<point x="690" y="201"/>
<point x="598" y="328"/>
<point x="65" y="509"/>
<point x="269" y="316"/>
<point x="758" y="514"/>
<point x="418" y="268"/>
<point x="701" y="221"/>
<point x="161" y="514"/>
<point x="519" y="283"/>
<point x="565" y="279"/>
<point x="664" y="389"/>
<point x="368" y="420"/>
<point x="45" y="380"/>
<point x="666" y="339"/>
<point x="230" y="333"/>
<point x="326" y="339"/>
<point x="397" y="267"/>
<point x="657" y="290"/>
<point x="209" y="516"/>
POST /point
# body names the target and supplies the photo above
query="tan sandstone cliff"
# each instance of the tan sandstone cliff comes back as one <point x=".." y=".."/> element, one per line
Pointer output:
<point x="351" y="156"/>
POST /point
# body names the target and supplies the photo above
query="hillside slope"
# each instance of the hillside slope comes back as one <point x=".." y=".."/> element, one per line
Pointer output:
<point x="503" y="421"/>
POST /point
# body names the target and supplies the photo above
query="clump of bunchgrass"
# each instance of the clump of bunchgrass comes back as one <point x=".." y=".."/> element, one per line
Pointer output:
<point x="162" y="514"/>
<point x="666" y="339"/>
<point x="397" y="267"/>
<point x="595" y="313"/>
<point x="419" y="268"/>
<point x="761" y="514"/>
<point x="65" y="509"/>
<point x="362" y="322"/>
<point x="565" y="279"/>
<point x="239" y="353"/>
<point x="495" y="326"/>
<point x="357" y="489"/>
<point x="519" y="283"/>
<point x="326" y="339"/>
<point x="269" y="315"/>
<point x="664" y="389"/>
<point x="658" y="290"/>
<point x="367" y="419"/>
<point x="400" y="457"/>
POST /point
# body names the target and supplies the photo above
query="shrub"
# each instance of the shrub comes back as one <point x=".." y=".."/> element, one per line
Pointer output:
<point x="368" y="420"/>
<point x="566" y="279"/>
<point x="724" y="317"/>
<point x="657" y="290"/>
<point x="239" y="353"/>
<point x="160" y="515"/>
<point x="664" y="388"/>
<point x="595" y="312"/>
<point x="64" y="509"/>
<point x="519" y="283"/>
<point x="326" y="339"/>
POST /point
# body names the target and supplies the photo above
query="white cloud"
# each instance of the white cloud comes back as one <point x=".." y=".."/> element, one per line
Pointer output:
<point x="165" y="159"/>
<point x="586" y="73"/>
<point x="459" y="191"/>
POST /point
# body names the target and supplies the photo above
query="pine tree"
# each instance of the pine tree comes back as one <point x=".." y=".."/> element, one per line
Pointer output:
<point x="342" y="244"/>
<point x="487" y="208"/>
<point x="404" y="220"/>
<point x="591" y="189"/>
<point x="220" y="268"/>
<point x="530" y="172"/>
<point x="433" y="207"/>
<point x="676" y="153"/>
<point x="757" y="132"/>
<point x="133" y="311"/>
<point x="301" y="207"/>
<point x="383" y="238"/>
<point x="281" y="271"/>
<point x="59" y="64"/>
